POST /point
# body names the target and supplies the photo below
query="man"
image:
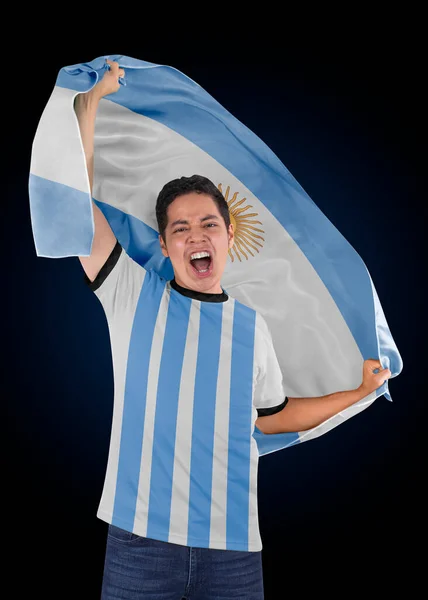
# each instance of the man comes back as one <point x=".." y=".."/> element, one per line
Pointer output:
<point x="194" y="372"/>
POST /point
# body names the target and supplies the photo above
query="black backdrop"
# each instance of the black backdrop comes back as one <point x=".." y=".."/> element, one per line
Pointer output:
<point x="341" y="513"/>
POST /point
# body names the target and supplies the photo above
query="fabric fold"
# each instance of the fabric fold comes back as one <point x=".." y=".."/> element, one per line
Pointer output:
<point x="289" y="261"/>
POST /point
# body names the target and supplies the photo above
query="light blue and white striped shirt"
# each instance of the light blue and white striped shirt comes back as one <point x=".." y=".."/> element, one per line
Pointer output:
<point x="189" y="376"/>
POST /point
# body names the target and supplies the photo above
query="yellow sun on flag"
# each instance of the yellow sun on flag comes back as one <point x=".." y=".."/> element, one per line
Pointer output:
<point x="246" y="234"/>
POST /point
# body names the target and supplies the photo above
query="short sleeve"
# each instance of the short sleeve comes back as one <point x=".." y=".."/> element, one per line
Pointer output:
<point x="106" y="269"/>
<point x="269" y="392"/>
<point x="119" y="280"/>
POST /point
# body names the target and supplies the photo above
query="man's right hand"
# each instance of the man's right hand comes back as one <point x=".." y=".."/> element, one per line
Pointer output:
<point x="109" y="83"/>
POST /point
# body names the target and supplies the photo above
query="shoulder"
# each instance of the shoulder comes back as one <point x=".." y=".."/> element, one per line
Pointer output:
<point x="119" y="273"/>
<point x="106" y="269"/>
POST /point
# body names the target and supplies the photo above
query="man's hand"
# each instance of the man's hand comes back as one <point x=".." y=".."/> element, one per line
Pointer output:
<point x="373" y="381"/>
<point x="109" y="83"/>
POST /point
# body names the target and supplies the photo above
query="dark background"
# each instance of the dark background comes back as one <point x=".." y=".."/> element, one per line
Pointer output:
<point x="340" y="514"/>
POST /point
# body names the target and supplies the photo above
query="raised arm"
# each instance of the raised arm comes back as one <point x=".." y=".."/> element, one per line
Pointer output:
<point x="85" y="106"/>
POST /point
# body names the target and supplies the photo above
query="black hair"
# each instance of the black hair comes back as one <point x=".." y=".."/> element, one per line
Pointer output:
<point x="185" y="185"/>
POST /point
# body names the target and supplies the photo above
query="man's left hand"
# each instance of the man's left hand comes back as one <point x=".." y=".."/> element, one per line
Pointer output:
<point x="373" y="381"/>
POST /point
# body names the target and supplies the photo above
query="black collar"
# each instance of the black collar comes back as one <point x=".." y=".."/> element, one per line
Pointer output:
<point x="202" y="296"/>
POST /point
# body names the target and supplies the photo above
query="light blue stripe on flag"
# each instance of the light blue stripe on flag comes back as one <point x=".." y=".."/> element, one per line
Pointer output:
<point x="134" y="407"/>
<point x="201" y="466"/>
<point x="166" y="416"/>
<point x="64" y="216"/>
<point x="241" y="394"/>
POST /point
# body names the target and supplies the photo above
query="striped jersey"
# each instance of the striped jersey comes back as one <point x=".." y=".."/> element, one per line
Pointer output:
<point x="191" y="376"/>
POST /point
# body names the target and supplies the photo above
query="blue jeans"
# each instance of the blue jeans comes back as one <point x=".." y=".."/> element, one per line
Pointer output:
<point x="142" y="568"/>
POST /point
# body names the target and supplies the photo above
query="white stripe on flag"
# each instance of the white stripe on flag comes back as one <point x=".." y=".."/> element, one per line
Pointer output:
<point x="57" y="153"/>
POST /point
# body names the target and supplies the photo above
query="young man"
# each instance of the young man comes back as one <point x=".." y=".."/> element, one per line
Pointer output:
<point x="194" y="372"/>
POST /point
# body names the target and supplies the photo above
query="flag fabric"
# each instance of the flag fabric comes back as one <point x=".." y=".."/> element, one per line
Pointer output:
<point x="289" y="262"/>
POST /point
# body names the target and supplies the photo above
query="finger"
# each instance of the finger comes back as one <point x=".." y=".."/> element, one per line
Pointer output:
<point x="114" y="66"/>
<point x="383" y="371"/>
<point x="121" y="73"/>
<point x="374" y="365"/>
<point x="383" y="376"/>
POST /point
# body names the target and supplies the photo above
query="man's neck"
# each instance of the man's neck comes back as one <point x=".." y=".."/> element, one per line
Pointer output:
<point x="201" y="296"/>
<point x="215" y="289"/>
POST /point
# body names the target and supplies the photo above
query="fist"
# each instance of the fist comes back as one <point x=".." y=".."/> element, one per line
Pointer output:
<point x="373" y="381"/>
<point x="109" y="83"/>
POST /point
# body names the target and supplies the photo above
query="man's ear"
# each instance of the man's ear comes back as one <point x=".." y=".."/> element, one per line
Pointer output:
<point x="231" y="235"/>
<point x="163" y="247"/>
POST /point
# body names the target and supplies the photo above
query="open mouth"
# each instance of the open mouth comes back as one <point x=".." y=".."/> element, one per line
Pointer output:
<point x="201" y="263"/>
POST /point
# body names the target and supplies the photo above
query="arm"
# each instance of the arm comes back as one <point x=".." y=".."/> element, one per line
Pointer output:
<point x="301" y="414"/>
<point x="86" y="106"/>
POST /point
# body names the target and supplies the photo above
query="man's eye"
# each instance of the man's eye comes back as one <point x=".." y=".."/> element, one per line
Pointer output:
<point x="211" y="225"/>
<point x="179" y="229"/>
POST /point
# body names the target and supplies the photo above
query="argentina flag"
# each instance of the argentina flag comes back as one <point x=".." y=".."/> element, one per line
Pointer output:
<point x="288" y="262"/>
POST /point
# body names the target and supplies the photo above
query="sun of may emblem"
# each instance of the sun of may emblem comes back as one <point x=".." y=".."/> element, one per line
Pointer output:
<point x="246" y="234"/>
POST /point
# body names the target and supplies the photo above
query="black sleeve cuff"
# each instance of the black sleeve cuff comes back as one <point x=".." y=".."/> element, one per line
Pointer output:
<point x="105" y="270"/>
<point x="265" y="412"/>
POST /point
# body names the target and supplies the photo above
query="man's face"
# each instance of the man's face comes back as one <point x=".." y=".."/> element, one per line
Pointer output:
<point x="196" y="228"/>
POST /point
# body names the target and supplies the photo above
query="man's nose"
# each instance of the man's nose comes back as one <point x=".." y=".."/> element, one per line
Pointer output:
<point x="197" y="235"/>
